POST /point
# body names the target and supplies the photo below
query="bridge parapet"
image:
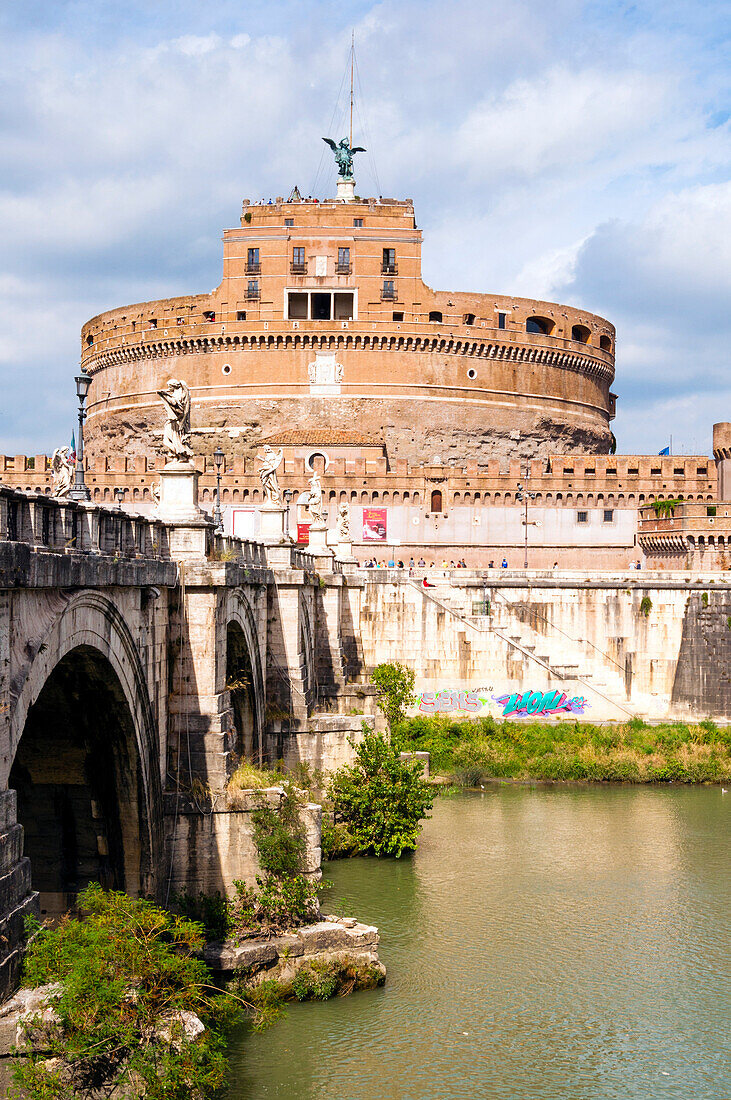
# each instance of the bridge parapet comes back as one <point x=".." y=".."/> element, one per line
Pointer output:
<point x="50" y="524"/>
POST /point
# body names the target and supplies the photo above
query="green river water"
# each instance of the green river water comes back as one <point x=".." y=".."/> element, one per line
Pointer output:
<point x="543" y="943"/>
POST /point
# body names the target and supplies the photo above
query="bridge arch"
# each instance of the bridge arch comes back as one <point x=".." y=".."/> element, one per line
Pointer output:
<point x="84" y="758"/>
<point x="244" y="669"/>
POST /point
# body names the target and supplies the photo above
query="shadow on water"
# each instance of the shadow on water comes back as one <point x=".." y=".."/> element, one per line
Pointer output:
<point x="542" y="944"/>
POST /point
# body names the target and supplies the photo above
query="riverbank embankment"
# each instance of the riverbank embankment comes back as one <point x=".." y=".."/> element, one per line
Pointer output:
<point x="471" y="752"/>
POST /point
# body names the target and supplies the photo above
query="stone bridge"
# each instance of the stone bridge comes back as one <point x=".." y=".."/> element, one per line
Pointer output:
<point x="138" y="666"/>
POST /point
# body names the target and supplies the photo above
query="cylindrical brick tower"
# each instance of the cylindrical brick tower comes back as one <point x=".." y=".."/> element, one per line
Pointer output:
<point x="322" y="320"/>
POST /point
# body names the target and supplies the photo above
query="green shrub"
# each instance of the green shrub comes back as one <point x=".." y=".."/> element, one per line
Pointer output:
<point x="381" y="799"/>
<point x="123" y="968"/>
<point x="645" y="606"/>
<point x="336" y="842"/>
<point x="394" y="684"/>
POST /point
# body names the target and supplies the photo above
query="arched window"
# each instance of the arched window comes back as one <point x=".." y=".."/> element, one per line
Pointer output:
<point x="580" y="333"/>
<point x="468" y="319"/>
<point x="540" y="326"/>
<point x="435" y="315"/>
<point x="605" y="343"/>
<point x="436" y="500"/>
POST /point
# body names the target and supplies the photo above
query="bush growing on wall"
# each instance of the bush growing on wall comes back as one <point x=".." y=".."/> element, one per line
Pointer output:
<point x="381" y="799"/>
<point x="126" y="974"/>
<point x="394" y="684"/>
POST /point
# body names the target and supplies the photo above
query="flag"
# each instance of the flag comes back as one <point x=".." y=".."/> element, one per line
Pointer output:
<point x="664" y="451"/>
<point x="72" y="449"/>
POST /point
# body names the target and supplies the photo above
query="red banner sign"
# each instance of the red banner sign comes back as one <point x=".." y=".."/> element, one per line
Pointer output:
<point x="374" y="525"/>
<point x="303" y="533"/>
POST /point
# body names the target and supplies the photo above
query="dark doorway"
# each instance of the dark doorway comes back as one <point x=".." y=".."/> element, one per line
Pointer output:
<point x="76" y="773"/>
<point x="240" y="685"/>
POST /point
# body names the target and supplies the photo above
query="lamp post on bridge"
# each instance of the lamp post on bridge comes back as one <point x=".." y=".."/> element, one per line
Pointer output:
<point x="218" y="458"/>
<point x="526" y="496"/>
<point x="287" y="494"/>
<point x="80" y="490"/>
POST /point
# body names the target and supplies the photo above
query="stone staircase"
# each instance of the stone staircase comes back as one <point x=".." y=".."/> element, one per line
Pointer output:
<point x="558" y="655"/>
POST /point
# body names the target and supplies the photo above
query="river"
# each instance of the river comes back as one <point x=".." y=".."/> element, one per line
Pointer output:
<point x="544" y="943"/>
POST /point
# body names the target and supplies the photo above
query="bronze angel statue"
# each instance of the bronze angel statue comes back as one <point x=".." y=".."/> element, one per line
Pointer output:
<point x="344" y="156"/>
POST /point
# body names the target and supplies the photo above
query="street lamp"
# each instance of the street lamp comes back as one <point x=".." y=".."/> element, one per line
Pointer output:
<point x="524" y="495"/>
<point x="287" y="494"/>
<point x="219" y="458"/>
<point x="80" y="490"/>
<point x="119" y="494"/>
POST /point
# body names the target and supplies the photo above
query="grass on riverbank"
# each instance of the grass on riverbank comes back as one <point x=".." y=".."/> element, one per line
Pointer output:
<point x="468" y="752"/>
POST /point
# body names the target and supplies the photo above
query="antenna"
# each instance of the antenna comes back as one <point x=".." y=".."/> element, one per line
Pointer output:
<point x="352" y="61"/>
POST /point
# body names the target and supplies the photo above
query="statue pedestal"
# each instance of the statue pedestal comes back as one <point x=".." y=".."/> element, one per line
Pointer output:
<point x="179" y="494"/>
<point x="271" y="523"/>
<point x="189" y="527"/>
<point x="318" y="541"/>
<point x="344" y="551"/>
<point x="346" y="190"/>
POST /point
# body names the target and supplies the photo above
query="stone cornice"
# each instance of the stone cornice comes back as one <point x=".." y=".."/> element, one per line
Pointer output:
<point x="479" y="349"/>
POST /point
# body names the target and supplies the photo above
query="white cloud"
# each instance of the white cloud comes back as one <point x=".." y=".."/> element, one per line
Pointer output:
<point x="593" y="178"/>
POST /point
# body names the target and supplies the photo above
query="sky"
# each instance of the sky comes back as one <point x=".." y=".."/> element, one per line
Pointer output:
<point x="577" y="152"/>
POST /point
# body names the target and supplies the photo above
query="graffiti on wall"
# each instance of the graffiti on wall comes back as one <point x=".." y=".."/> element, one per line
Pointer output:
<point x="532" y="703"/>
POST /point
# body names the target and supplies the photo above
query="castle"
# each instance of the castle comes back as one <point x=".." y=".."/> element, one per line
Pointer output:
<point x="442" y="414"/>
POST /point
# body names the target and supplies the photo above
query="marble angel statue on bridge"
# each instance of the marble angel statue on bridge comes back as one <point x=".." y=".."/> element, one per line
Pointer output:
<point x="176" y="435"/>
<point x="62" y="473"/>
<point x="270" y="462"/>
<point x="314" y="500"/>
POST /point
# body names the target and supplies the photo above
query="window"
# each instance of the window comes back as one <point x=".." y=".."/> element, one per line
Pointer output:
<point x="389" y="290"/>
<point x="343" y="261"/>
<point x="397" y="316"/>
<point x="581" y="334"/>
<point x="388" y="267"/>
<point x="609" y="515"/>
<point x="501" y="320"/>
<point x="357" y="223"/>
<point x="633" y="470"/>
<point x="468" y="319"/>
<point x="655" y="471"/>
<point x="611" y="472"/>
<point x="252" y="289"/>
<point x="436" y="500"/>
<point x="153" y="322"/>
<point x="252" y="261"/>
<point x="209" y="315"/>
<point x="299" y="267"/>
<point x="711" y="510"/>
<point x="589" y="472"/>
<point x="180" y="320"/>
<point x="568" y="469"/>
<point x="702" y="470"/>
<point x="472" y="373"/>
<point x="605" y="343"/>
<point x="289" y="222"/>
<point x="435" y="315"/>
<point x="240" y="314"/>
<point x="582" y="517"/>
<point x="539" y="326"/>
<point x="678" y="471"/>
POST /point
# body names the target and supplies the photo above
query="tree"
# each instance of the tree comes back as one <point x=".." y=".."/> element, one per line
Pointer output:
<point x="381" y="799"/>
<point x="394" y="684"/>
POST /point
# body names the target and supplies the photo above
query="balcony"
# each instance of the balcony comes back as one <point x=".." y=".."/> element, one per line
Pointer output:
<point x="298" y="268"/>
<point x="388" y="295"/>
<point x="253" y="269"/>
<point x="343" y="269"/>
<point x="253" y="293"/>
<point x="389" y="269"/>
